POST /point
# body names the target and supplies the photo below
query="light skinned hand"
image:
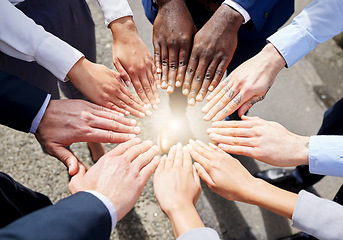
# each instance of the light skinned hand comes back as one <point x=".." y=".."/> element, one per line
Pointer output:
<point x="104" y="87"/>
<point x="227" y="177"/>
<point x="133" y="60"/>
<point x="213" y="48"/>
<point x="177" y="189"/>
<point x="245" y="86"/>
<point x="120" y="175"/>
<point x="262" y="140"/>
<point x="173" y="33"/>
<point x="69" y="121"/>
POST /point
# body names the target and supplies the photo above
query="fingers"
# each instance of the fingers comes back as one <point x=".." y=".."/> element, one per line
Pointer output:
<point x="197" y="80"/>
<point x="145" y="157"/>
<point x="178" y="160"/>
<point x="207" y="81"/>
<point x="161" y="164"/>
<point x="248" y="104"/>
<point x="234" y="141"/>
<point x="157" y="57"/>
<point x="172" y="67"/>
<point x="122" y="148"/>
<point x="107" y="136"/>
<point x="67" y="158"/>
<point x="164" y="63"/>
<point x="219" y="73"/>
<point x="141" y="87"/>
<point x="133" y="152"/>
<point x="183" y="61"/>
<point x="216" y="90"/>
<point x="191" y="67"/>
<point x="232" y="132"/>
<point x="148" y="169"/>
<point x="193" y="149"/>
<point x="205" y="176"/>
<point x="112" y="125"/>
<point x="187" y="160"/>
<point x="238" y="150"/>
<point x="171" y="157"/>
<point x="123" y="74"/>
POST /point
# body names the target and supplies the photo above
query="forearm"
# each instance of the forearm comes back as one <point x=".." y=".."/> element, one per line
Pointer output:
<point x="183" y="219"/>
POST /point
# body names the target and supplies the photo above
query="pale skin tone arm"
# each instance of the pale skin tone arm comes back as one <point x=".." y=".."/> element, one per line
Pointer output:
<point x="120" y="175"/>
<point x="262" y="140"/>
<point x="177" y="189"/>
<point x="227" y="177"/>
<point x="133" y="60"/>
<point x="104" y="87"/>
<point x="68" y="121"/>
<point x="245" y="86"/>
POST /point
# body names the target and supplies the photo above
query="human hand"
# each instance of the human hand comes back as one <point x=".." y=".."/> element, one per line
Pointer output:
<point x="245" y="86"/>
<point x="173" y="33"/>
<point x="68" y="121"/>
<point x="104" y="87"/>
<point x="133" y="60"/>
<point x="120" y="175"/>
<point x="263" y="140"/>
<point x="227" y="177"/>
<point x="177" y="189"/>
<point x="213" y="49"/>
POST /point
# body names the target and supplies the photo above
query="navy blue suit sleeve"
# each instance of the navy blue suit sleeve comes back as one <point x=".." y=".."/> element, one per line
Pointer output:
<point x="80" y="216"/>
<point x="19" y="102"/>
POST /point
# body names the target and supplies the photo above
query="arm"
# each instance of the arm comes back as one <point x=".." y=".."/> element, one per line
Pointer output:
<point x="177" y="189"/>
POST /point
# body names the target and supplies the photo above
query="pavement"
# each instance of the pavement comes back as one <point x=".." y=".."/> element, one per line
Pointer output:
<point x="297" y="100"/>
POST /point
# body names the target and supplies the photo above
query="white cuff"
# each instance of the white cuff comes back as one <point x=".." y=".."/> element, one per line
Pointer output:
<point x="40" y="114"/>
<point x="108" y="204"/>
<point x="239" y="9"/>
<point x="114" y="9"/>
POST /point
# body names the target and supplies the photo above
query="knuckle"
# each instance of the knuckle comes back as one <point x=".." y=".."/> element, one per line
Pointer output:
<point x="172" y="65"/>
<point x="140" y="90"/>
<point x="164" y="62"/>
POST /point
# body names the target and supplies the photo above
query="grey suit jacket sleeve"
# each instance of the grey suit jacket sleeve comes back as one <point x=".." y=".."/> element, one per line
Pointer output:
<point x="200" y="234"/>
<point x="319" y="217"/>
<point x="81" y="216"/>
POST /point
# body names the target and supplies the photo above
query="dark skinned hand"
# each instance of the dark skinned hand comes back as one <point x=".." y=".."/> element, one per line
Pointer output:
<point x="173" y="33"/>
<point x="213" y="48"/>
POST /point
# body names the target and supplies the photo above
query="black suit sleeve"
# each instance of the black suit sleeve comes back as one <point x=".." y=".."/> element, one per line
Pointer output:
<point x="19" y="102"/>
<point x="81" y="216"/>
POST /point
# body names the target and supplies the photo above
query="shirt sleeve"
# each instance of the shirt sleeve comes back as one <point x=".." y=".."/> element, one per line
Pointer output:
<point x="199" y="234"/>
<point x="22" y="38"/>
<point x="108" y="204"/>
<point x="114" y="9"/>
<point x="326" y="155"/>
<point x="318" y="22"/>
<point x="40" y="114"/>
<point x="239" y="9"/>
<point x="319" y="217"/>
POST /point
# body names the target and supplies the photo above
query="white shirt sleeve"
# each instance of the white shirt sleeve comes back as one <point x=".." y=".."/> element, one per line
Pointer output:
<point x="40" y="114"/>
<point x="318" y="22"/>
<point x="22" y="38"/>
<point x="204" y="233"/>
<point x="108" y="204"/>
<point x="239" y="9"/>
<point x="114" y="9"/>
<point x="326" y="155"/>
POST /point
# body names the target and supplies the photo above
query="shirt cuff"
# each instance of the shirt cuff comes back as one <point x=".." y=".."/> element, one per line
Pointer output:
<point x="57" y="56"/>
<point x="114" y="10"/>
<point x="239" y="9"/>
<point x="40" y="114"/>
<point x="326" y="155"/>
<point x="108" y="204"/>
<point x="203" y="233"/>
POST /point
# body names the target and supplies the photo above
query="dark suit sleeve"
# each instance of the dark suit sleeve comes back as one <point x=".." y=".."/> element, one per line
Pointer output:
<point x="80" y="216"/>
<point x="19" y="102"/>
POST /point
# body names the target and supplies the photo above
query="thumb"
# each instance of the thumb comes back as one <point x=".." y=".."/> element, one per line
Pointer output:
<point x="68" y="159"/>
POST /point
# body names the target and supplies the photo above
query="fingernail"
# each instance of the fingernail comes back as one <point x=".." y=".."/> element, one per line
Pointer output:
<point x="215" y="118"/>
<point x="212" y="145"/>
<point x="210" y="88"/>
<point x="148" y="113"/>
<point x="158" y="86"/>
<point x="215" y="124"/>
<point x="204" y="109"/>
<point x="169" y="89"/>
<point x="155" y="147"/>
<point x="191" y="141"/>
<point x="164" y="85"/>
<point x="199" y="98"/>
<point x="191" y="102"/>
<point x="178" y="84"/>
<point x="178" y="144"/>
<point x="149" y="142"/>
<point x="149" y="105"/>
<point x="210" y="130"/>
<point x="133" y="122"/>
<point x="146" y="106"/>
<point x="158" y="70"/>
<point x="185" y="92"/>
<point x="128" y="83"/>
<point x="122" y="115"/>
<point x="138" y="140"/>
<point x="158" y="100"/>
<point x="132" y="135"/>
<point x="155" y="106"/>
<point x="137" y="130"/>
<point x="142" y="115"/>
<point x="127" y="112"/>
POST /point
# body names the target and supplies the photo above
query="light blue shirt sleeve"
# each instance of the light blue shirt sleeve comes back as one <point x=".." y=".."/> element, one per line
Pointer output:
<point x="108" y="204"/>
<point x="38" y="117"/>
<point x="317" y="23"/>
<point x="204" y="233"/>
<point x="326" y="155"/>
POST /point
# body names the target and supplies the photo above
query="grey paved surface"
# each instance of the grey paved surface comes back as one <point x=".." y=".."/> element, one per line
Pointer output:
<point x="292" y="102"/>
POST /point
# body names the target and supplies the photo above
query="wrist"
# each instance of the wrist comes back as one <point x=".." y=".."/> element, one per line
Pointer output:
<point x="123" y="28"/>
<point x="274" y="58"/>
<point x="163" y="3"/>
<point x="233" y="17"/>
<point x="303" y="151"/>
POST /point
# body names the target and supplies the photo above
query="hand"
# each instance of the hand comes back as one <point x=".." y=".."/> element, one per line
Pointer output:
<point x="227" y="177"/>
<point x="173" y="34"/>
<point x="245" y="86"/>
<point x="177" y="189"/>
<point x="213" y="49"/>
<point x="68" y="121"/>
<point x="120" y="175"/>
<point x="104" y="87"/>
<point x="133" y="60"/>
<point x="265" y="141"/>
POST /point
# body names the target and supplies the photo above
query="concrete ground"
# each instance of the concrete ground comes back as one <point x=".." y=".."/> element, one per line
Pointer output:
<point x="295" y="101"/>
